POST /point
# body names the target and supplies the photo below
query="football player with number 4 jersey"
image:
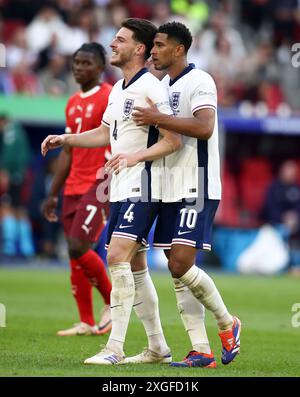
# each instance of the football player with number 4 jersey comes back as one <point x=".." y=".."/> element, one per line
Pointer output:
<point x="135" y="189"/>
<point x="83" y="216"/>
<point x="192" y="191"/>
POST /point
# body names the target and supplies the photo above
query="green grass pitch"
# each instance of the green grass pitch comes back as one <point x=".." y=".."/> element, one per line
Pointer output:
<point x="39" y="302"/>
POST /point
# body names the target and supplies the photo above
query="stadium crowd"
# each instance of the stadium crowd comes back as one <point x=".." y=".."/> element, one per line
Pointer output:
<point x="245" y="46"/>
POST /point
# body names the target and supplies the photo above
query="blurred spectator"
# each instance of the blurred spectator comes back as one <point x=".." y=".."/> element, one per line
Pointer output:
<point x="17" y="50"/>
<point x="14" y="160"/>
<point x="161" y="12"/>
<point x="46" y="24"/>
<point x="107" y="32"/>
<point x="196" y="54"/>
<point x="195" y="12"/>
<point x="139" y="8"/>
<point x="282" y="206"/>
<point x="256" y="13"/>
<point x="14" y="156"/>
<point x="24" y="81"/>
<point x="223" y="60"/>
<point x="82" y="28"/>
<point x="54" y="78"/>
<point x="45" y="233"/>
<point x="219" y="25"/>
<point x="261" y="75"/>
<point x="223" y="30"/>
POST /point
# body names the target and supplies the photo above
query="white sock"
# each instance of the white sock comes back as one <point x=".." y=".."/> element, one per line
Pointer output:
<point x="146" y="309"/>
<point x="192" y="314"/>
<point x="121" y="301"/>
<point x="204" y="289"/>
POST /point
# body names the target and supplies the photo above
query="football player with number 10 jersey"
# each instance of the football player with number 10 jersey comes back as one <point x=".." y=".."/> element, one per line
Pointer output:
<point x="191" y="195"/>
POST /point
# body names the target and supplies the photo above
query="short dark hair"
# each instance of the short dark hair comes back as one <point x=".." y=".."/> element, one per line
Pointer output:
<point x="95" y="48"/>
<point x="143" y="30"/>
<point x="179" y="32"/>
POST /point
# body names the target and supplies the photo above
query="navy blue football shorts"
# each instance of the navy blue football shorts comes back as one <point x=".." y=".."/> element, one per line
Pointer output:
<point x="182" y="223"/>
<point x="131" y="220"/>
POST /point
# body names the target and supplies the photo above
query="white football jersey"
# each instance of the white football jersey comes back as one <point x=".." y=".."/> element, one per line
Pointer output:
<point x="127" y="137"/>
<point x="195" y="168"/>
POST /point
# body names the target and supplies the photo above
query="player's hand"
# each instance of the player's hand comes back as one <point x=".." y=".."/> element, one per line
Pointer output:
<point x="49" y="208"/>
<point x="121" y="161"/>
<point x="146" y="116"/>
<point x="52" y="142"/>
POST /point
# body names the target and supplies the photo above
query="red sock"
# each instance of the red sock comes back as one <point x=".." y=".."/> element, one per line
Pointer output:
<point x="82" y="292"/>
<point x="94" y="269"/>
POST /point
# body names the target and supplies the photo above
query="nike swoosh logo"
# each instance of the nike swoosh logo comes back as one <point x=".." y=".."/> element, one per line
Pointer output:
<point x="124" y="227"/>
<point x="180" y="233"/>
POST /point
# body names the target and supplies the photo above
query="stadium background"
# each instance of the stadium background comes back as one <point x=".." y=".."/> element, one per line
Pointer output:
<point x="247" y="47"/>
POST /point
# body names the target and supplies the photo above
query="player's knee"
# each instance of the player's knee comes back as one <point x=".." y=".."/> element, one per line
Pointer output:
<point x="77" y="248"/>
<point x="114" y="256"/>
<point x="177" y="265"/>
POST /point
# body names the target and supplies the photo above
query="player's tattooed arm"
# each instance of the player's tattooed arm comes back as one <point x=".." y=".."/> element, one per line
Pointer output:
<point x="200" y="126"/>
<point x="170" y="143"/>
<point x="89" y="139"/>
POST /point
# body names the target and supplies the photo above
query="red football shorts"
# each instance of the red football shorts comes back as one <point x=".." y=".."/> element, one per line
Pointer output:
<point x="83" y="216"/>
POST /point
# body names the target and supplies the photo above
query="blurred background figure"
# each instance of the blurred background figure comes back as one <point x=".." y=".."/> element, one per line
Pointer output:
<point x="14" y="162"/>
<point x="54" y="78"/>
<point x="46" y="233"/>
<point x="246" y="47"/>
<point x="46" y="25"/>
<point x="282" y="209"/>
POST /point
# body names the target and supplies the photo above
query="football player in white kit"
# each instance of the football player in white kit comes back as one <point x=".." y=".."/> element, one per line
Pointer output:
<point x="193" y="184"/>
<point x="134" y="192"/>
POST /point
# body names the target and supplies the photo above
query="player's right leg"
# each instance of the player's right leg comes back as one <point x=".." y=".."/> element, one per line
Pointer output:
<point x="129" y="225"/>
<point x="119" y="255"/>
<point x="147" y="310"/>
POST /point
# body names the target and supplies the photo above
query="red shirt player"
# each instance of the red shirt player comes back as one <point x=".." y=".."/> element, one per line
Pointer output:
<point x="83" y="216"/>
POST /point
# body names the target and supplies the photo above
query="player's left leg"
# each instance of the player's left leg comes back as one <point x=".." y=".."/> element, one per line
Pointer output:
<point x="94" y="270"/>
<point x="192" y="312"/>
<point x="182" y="267"/>
<point x="147" y="310"/>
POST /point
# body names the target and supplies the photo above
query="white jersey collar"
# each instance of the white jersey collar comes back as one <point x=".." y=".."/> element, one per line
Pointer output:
<point x="90" y="92"/>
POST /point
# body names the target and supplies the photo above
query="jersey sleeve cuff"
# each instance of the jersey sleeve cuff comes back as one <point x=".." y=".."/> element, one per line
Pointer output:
<point x="205" y="106"/>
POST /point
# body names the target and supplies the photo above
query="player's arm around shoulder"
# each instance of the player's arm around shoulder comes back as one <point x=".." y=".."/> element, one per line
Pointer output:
<point x="170" y="143"/>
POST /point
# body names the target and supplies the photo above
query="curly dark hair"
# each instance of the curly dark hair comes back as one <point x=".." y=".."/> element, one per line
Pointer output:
<point x="95" y="48"/>
<point x="179" y="32"/>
